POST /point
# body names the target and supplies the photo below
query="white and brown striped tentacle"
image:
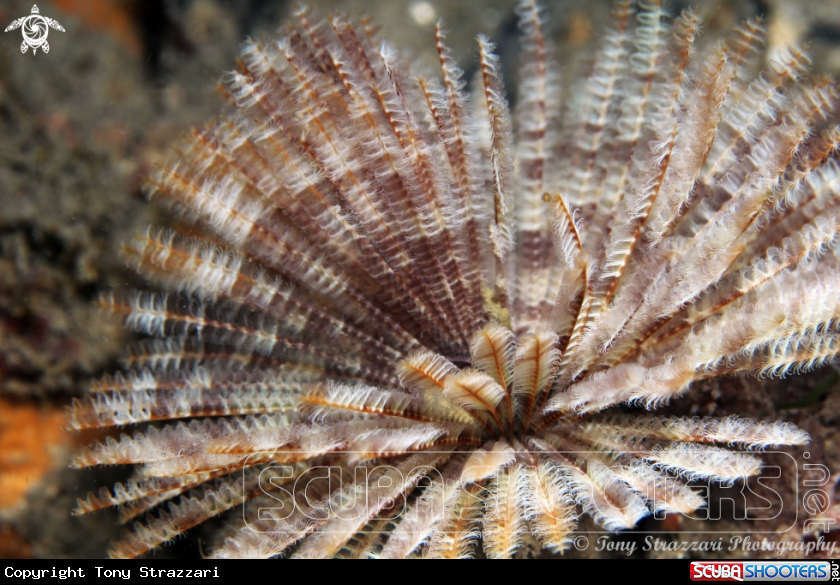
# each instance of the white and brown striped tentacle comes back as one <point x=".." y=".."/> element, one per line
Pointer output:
<point x="501" y="229"/>
<point x="536" y="115"/>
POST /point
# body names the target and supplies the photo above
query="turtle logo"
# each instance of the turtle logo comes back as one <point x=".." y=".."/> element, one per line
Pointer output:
<point x="35" y="30"/>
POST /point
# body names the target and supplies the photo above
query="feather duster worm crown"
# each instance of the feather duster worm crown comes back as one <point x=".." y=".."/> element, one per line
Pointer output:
<point x="394" y="285"/>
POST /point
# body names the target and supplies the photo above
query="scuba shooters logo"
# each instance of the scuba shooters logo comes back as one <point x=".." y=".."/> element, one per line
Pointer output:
<point x="35" y="29"/>
<point x="764" y="571"/>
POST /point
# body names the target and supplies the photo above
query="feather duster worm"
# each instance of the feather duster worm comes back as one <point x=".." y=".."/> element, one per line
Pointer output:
<point x="397" y="288"/>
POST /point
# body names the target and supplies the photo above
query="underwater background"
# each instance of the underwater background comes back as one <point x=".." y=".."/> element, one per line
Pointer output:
<point x="83" y="124"/>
